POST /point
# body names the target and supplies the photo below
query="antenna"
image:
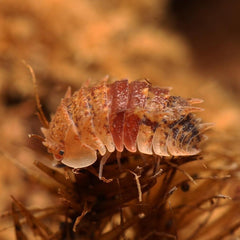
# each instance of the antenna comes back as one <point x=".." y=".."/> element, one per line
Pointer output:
<point x="40" y="112"/>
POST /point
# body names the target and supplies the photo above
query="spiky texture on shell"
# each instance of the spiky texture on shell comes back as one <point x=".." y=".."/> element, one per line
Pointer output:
<point x="132" y="115"/>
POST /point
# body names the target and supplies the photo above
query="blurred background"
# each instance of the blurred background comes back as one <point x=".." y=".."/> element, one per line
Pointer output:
<point x="192" y="46"/>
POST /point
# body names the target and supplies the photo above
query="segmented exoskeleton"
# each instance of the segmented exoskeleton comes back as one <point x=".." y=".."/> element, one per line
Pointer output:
<point x="132" y="115"/>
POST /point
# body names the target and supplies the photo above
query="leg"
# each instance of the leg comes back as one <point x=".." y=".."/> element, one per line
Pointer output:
<point x="119" y="160"/>
<point x="156" y="169"/>
<point x="102" y="163"/>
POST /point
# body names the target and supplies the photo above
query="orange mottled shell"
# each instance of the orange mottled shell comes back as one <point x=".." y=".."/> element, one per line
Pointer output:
<point x="132" y="115"/>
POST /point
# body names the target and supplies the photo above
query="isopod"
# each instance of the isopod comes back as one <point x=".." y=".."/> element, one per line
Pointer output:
<point x="132" y="115"/>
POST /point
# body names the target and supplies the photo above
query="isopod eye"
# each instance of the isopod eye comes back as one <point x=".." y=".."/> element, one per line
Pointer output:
<point x="61" y="152"/>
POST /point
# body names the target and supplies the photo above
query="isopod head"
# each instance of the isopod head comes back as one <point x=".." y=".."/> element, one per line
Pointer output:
<point x="63" y="141"/>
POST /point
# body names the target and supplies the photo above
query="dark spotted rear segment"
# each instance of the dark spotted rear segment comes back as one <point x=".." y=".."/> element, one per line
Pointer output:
<point x="135" y="116"/>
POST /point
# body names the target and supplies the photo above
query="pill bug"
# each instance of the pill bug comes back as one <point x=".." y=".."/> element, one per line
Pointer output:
<point x="132" y="115"/>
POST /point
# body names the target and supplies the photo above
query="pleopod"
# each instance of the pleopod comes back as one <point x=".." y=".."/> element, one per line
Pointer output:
<point x="135" y="116"/>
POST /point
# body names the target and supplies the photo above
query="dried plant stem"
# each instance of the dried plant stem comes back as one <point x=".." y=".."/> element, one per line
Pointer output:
<point x="37" y="227"/>
<point x="159" y="234"/>
<point x="57" y="176"/>
<point x="227" y="232"/>
<point x="138" y="185"/>
<point x="183" y="171"/>
<point x="17" y="225"/>
<point x="86" y="209"/>
<point x="117" y="231"/>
